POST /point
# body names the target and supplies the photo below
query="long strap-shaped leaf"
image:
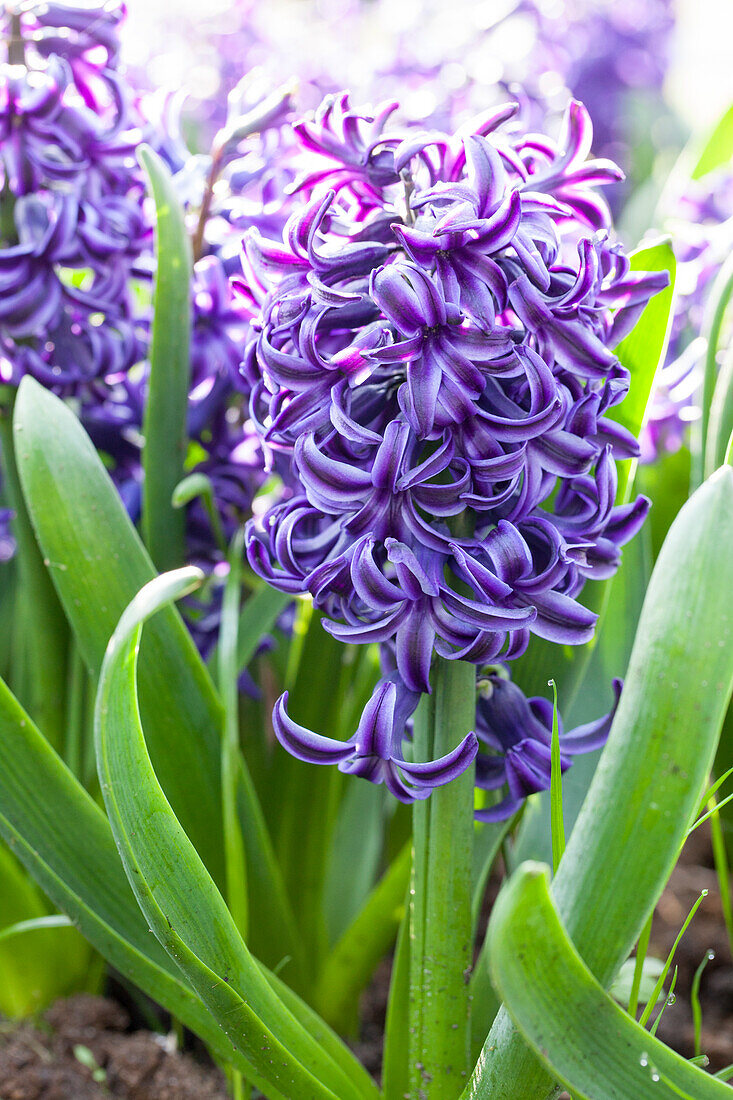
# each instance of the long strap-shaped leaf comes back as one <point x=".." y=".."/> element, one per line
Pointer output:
<point x="94" y="891"/>
<point x="651" y="775"/>
<point x="174" y="890"/>
<point x="45" y="632"/>
<point x="98" y="563"/>
<point x="367" y="939"/>
<point x="578" y="1031"/>
<point x="166" y="405"/>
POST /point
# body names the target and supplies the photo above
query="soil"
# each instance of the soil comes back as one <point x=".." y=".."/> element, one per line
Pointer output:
<point x="693" y="874"/>
<point x="87" y="1049"/>
<point x="87" y="1052"/>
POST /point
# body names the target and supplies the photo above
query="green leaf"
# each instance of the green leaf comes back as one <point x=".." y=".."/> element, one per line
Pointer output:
<point x="354" y="854"/>
<point x="228" y="672"/>
<point x="594" y="696"/>
<point x="557" y="819"/>
<point x="643" y="351"/>
<point x="578" y="1031"/>
<point x="94" y="891"/>
<point x="395" y="1072"/>
<point x="44" y="634"/>
<point x="310" y="796"/>
<point x="652" y="772"/>
<point x="164" y="425"/>
<point x="37" y="969"/>
<point x="98" y="563"/>
<point x="353" y="960"/>
<point x="721" y="416"/>
<point x="716" y="310"/>
<point x="718" y="149"/>
<point x="36" y="924"/>
<point x="258" y="618"/>
<point x="175" y="892"/>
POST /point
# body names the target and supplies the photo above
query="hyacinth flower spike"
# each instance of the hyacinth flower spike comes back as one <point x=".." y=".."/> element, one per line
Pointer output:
<point x="375" y="750"/>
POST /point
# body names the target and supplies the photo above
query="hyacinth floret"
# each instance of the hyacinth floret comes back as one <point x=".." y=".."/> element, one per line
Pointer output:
<point x="518" y="733"/>
<point x="434" y="357"/>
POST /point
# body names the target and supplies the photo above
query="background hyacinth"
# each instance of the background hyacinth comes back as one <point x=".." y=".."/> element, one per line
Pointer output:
<point x="73" y="226"/>
<point x="434" y="356"/>
<point x="443" y="63"/>
<point x="76" y="258"/>
<point x="701" y="221"/>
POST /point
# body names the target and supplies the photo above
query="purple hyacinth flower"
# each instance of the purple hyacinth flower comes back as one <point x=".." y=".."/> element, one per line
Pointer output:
<point x="434" y="358"/>
<point x="375" y="751"/>
<point x="518" y="731"/>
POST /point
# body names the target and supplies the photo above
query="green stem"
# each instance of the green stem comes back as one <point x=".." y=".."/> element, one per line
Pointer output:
<point x="720" y="858"/>
<point x="641" y="952"/>
<point x="720" y="297"/>
<point x="236" y="867"/>
<point x="440" y="913"/>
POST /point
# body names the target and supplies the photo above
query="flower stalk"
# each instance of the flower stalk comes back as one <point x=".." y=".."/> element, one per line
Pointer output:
<point x="440" y="896"/>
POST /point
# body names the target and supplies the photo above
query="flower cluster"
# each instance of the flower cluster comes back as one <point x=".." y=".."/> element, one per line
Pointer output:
<point x="73" y="226"/>
<point x="77" y="262"/>
<point x="434" y="359"/>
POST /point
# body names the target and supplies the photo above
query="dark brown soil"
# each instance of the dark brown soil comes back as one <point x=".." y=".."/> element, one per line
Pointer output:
<point x="49" y="1064"/>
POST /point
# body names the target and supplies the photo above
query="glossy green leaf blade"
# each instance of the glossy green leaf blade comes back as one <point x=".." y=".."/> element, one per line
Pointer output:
<point x="257" y="618"/>
<point x="643" y="351"/>
<point x="98" y="563"/>
<point x="370" y="935"/>
<point x="45" y="633"/>
<point x="610" y="658"/>
<point x="652" y="772"/>
<point x="177" y="895"/>
<point x="588" y="1042"/>
<point x="717" y="308"/>
<point x="94" y="892"/>
<point x="166" y="407"/>
<point x="353" y="855"/>
<point x="310" y="796"/>
<point x="35" y="970"/>
<point x="395" y="1069"/>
